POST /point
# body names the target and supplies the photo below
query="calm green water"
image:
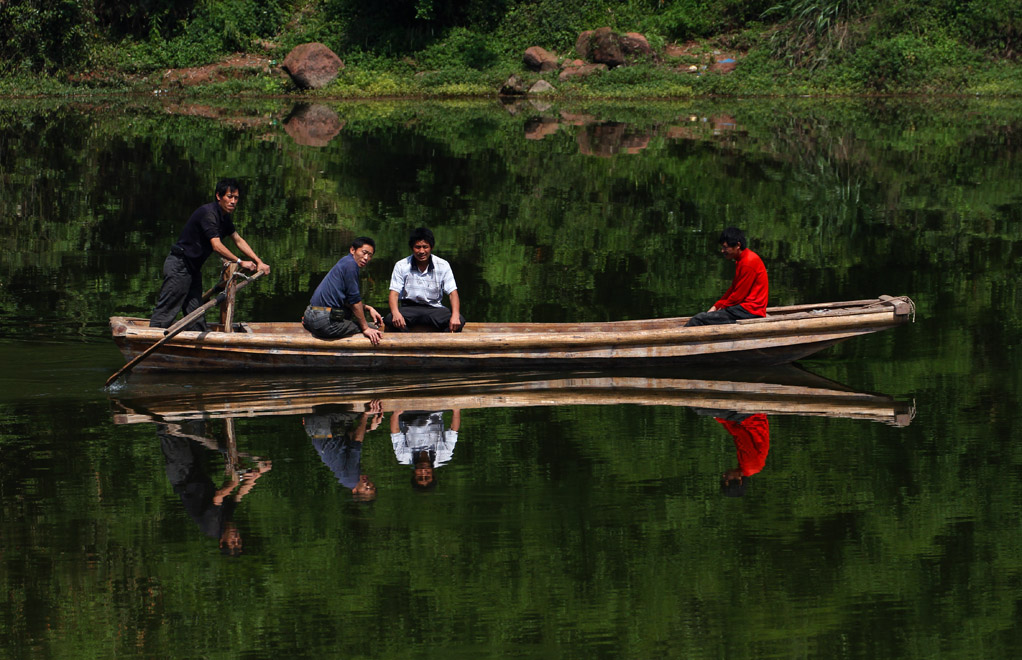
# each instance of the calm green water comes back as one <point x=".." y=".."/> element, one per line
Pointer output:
<point x="556" y="528"/>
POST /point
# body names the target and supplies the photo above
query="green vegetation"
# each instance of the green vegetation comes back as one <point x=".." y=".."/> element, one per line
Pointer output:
<point x="467" y="48"/>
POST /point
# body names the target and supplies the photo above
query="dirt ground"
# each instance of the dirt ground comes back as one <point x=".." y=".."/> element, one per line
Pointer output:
<point x="238" y="65"/>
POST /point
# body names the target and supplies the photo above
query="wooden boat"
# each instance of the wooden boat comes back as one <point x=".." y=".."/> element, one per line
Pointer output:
<point x="786" y="334"/>
<point x="785" y="390"/>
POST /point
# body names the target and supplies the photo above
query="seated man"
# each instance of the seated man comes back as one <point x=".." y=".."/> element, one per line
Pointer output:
<point x="418" y="285"/>
<point x="747" y="296"/>
<point x="336" y="308"/>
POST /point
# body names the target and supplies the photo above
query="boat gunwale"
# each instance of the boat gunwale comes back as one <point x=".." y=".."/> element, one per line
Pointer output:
<point x="299" y="338"/>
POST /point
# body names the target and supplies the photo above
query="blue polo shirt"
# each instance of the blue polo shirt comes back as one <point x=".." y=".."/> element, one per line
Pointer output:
<point x="340" y="286"/>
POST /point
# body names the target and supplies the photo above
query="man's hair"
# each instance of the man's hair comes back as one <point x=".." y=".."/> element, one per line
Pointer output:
<point x="421" y="234"/>
<point x="733" y="236"/>
<point x="363" y="240"/>
<point x="224" y="185"/>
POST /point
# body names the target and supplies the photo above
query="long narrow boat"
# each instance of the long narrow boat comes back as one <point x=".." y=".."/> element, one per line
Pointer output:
<point x="786" y="334"/>
<point x="784" y="390"/>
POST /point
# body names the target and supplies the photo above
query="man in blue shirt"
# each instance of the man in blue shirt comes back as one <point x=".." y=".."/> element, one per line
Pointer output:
<point x="336" y="309"/>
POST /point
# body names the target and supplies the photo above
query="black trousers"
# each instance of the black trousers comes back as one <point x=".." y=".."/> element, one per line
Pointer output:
<point x="721" y="317"/>
<point x="434" y="318"/>
<point x="181" y="292"/>
<point x="317" y="321"/>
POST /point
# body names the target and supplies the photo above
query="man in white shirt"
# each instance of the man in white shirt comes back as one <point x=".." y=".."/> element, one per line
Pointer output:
<point x="417" y="287"/>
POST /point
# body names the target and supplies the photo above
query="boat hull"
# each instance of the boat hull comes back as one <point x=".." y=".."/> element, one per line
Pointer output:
<point x="787" y="335"/>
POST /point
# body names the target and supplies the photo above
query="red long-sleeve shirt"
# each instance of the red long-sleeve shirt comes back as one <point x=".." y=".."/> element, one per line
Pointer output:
<point x="749" y="287"/>
<point x="752" y="441"/>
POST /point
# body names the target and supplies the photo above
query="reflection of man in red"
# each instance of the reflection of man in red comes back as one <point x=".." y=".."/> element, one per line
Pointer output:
<point x="752" y="442"/>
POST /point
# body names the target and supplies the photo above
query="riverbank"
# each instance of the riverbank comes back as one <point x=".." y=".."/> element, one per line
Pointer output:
<point x="677" y="71"/>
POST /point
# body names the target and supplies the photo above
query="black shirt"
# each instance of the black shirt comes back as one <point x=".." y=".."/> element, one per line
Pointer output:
<point x="207" y="222"/>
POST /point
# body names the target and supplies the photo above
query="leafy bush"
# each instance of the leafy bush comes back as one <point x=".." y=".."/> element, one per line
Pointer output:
<point x="44" y="35"/>
<point x="470" y="49"/>
<point x="907" y="61"/>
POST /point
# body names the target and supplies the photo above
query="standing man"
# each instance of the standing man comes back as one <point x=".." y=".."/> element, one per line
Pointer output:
<point x="417" y="287"/>
<point x="336" y="309"/>
<point x="203" y="234"/>
<point x="747" y="296"/>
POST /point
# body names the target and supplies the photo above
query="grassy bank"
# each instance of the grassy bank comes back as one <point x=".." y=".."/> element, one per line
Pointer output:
<point x="433" y="48"/>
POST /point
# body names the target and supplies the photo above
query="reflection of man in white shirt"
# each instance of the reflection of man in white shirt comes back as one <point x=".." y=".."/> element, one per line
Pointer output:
<point x="420" y="440"/>
<point x="417" y="287"/>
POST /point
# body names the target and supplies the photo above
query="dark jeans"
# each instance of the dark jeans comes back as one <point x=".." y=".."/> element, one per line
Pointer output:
<point x="181" y="292"/>
<point x="317" y="321"/>
<point x="437" y="319"/>
<point x="731" y="314"/>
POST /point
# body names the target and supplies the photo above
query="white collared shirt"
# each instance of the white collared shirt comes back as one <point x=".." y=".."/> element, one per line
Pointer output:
<point x="426" y="288"/>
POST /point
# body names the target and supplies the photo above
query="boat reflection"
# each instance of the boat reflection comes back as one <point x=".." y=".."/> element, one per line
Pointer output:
<point x="787" y="390"/>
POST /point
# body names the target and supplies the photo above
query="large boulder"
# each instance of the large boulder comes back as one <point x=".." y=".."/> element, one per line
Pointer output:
<point x="582" y="48"/>
<point x="539" y="59"/>
<point x="312" y="65"/>
<point x="633" y="43"/>
<point x="604" y="46"/>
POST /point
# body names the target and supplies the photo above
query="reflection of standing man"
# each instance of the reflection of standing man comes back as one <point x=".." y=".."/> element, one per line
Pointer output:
<point x="337" y="438"/>
<point x="420" y="440"/>
<point x="751" y="434"/>
<point x="202" y="235"/>
<point x="210" y="507"/>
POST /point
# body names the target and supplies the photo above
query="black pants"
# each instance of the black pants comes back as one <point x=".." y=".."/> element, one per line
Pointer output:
<point x="731" y="314"/>
<point x="318" y="322"/>
<point x="181" y="292"/>
<point x="437" y="319"/>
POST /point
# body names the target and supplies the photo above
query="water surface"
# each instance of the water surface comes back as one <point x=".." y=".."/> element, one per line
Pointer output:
<point x="557" y="527"/>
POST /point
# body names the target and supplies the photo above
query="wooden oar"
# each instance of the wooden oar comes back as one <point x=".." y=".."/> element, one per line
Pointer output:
<point x="178" y="327"/>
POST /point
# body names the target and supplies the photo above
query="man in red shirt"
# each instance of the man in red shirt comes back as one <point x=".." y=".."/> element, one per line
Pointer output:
<point x="746" y="298"/>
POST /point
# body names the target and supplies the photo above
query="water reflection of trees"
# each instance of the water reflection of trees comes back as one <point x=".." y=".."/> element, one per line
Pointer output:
<point x="535" y="228"/>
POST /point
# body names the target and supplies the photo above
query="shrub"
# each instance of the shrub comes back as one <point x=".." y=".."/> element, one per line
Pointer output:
<point x="463" y="47"/>
<point x="907" y="61"/>
<point x="44" y="35"/>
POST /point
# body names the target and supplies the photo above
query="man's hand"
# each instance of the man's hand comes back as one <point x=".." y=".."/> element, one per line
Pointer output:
<point x="254" y="266"/>
<point x="455" y="323"/>
<point x="712" y="309"/>
<point x="398" y="321"/>
<point x="375" y="316"/>
<point x="374" y="336"/>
